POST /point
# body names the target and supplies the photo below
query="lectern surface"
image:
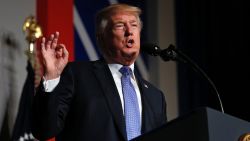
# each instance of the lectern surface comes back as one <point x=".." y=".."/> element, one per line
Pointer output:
<point x="204" y="124"/>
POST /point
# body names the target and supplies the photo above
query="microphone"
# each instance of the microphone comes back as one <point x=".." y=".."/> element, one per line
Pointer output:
<point x="166" y="54"/>
<point x="171" y="53"/>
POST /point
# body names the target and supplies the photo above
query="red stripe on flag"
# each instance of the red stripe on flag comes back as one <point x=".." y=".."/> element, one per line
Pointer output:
<point x="57" y="15"/>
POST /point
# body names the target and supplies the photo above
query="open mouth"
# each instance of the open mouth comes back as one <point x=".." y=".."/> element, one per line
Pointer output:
<point x="130" y="43"/>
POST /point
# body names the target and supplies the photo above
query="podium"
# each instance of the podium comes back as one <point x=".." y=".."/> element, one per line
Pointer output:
<point x="204" y="124"/>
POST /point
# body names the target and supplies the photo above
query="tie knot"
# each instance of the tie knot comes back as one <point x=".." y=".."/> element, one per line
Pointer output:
<point x="125" y="70"/>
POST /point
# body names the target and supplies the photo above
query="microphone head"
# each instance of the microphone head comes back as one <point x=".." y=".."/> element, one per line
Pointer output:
<point x="151" y="49"/>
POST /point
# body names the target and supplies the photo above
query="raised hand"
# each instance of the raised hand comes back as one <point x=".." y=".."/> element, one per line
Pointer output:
<point x="55" y="56"/>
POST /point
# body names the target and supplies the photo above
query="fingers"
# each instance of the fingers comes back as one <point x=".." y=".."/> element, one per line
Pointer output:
<point x="51" y="48"/>
<point x="54" y="40"/>
<point x="65" y="52"/>
<point x="49" y="45"/>
<point x="61" y="51"/>
<point x="43" y="44"/>
<point x="51" y="41"/>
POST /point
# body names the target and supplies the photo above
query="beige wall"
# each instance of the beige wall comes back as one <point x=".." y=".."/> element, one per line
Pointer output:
<point x="162" y="31"/>
<point x="12" y="16"/>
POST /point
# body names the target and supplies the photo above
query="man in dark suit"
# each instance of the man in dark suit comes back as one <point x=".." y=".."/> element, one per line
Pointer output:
<point x="86" y="100"/>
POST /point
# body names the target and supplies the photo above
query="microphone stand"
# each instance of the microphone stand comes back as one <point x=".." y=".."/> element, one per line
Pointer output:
<point x="171" y="53"/>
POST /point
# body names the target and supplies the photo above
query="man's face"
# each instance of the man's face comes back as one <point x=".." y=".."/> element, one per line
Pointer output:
<point x="122" y="39"/>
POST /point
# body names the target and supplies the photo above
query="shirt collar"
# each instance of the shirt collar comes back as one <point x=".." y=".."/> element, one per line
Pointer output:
<point x="114" y="68"/>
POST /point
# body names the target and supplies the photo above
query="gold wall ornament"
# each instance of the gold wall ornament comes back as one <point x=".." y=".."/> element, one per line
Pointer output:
<point x="245" y="137"/>
<point x="33" y="31"/>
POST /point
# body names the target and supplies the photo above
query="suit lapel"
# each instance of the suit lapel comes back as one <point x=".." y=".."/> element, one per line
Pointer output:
<point x="146" y="109"/>
<point x="111" y="94"/>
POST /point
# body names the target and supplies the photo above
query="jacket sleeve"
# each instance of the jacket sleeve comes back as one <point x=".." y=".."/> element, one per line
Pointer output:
<point x="50" y="108"/>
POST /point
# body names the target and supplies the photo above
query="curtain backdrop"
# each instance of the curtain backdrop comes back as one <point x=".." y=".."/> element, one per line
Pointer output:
<point x="215" y="34"/>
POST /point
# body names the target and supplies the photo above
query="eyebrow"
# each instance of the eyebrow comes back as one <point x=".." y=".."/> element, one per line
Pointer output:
<point x="122" y="21"/>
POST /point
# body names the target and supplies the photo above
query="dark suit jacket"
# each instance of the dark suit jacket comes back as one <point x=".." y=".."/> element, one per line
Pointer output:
<point x="85" y="106"/>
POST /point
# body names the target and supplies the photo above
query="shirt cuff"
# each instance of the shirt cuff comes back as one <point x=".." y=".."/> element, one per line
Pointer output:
<point x="49" y="85"/>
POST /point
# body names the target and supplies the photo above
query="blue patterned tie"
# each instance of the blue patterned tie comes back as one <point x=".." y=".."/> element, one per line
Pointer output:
<point x="131" y="107"/>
